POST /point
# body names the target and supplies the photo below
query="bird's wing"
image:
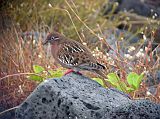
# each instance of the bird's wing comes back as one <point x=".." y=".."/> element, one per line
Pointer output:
<point x="74" y="54"/>
<point x="69" y="53"/>
<point x="92" y="66"/>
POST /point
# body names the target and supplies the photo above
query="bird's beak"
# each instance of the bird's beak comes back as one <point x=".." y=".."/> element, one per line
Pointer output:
<point x="45" y="42"/>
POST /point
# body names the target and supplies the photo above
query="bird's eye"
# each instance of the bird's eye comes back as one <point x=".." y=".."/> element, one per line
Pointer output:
<point x="54" y="38"/>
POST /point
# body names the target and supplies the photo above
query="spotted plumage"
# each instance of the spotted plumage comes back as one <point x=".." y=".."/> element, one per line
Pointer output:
<point x="72" y="54"/>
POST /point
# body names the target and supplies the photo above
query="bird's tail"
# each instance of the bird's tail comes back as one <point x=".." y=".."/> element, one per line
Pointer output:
<point x="104" y="77"/>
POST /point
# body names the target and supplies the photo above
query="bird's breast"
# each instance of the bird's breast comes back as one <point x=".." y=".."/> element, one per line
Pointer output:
<point x="54" y="50"/>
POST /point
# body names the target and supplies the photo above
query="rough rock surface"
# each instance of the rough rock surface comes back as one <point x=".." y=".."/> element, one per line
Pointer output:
<point x="77" y="97"/>
<point x="7" y="115"/>
<point x="152" y="82"/>
<point x="140" y="7"/>
<point x="139" y="109"/>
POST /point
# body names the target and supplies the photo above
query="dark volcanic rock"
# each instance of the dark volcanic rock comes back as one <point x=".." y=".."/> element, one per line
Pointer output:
<point x="140" y="109"/>
<point x="157" y="35"/>
<point x="77" y="97"/>
<point x="7" y="115"/>
<point x="152" y="82"/>
<point x="140" y="7"/>
<point x="153" y="79"/>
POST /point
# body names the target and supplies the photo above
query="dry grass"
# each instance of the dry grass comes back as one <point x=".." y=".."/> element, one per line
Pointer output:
<point x="18" y="54"/>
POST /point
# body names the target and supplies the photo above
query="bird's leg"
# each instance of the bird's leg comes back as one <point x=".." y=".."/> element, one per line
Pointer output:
<point x="78" y="73"/>
<point x="70" y="71"/>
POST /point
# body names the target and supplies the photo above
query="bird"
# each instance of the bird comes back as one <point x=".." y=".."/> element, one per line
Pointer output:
<point x="73" y="55"/>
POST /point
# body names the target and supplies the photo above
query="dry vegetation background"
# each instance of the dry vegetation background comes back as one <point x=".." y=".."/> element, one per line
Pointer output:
<point x="23" y="25"/>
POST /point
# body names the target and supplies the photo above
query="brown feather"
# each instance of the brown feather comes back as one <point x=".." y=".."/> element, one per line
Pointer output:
<point x="73" y="55"/>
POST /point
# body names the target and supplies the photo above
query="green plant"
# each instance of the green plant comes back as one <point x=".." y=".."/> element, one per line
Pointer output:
<point x="133" y="79"/>
<point x="42" y="74"/>
<point x="99" y="81"/>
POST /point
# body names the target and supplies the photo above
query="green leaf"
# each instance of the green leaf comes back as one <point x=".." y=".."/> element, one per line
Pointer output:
<point x="130" y="89"/>
<point x="122" y="86"/>
<point x="119" y="88"/>
<point x="131" y="79"/>
<point x="100" y="81"/>
<point x="57" y="73"/>
<point x="38" y="69"/>
<point x="36" y="78"/>
<point x="139" y="80"/>
<point x="134" y="80"/>
<point x="113" y="79"/>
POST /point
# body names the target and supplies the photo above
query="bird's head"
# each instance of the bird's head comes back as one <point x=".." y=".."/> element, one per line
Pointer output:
<point x="52" y="38"/>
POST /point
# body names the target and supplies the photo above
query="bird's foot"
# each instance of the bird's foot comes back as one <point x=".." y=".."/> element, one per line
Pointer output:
<point x="70" y="71"/>
<point x="78" y="73"/>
